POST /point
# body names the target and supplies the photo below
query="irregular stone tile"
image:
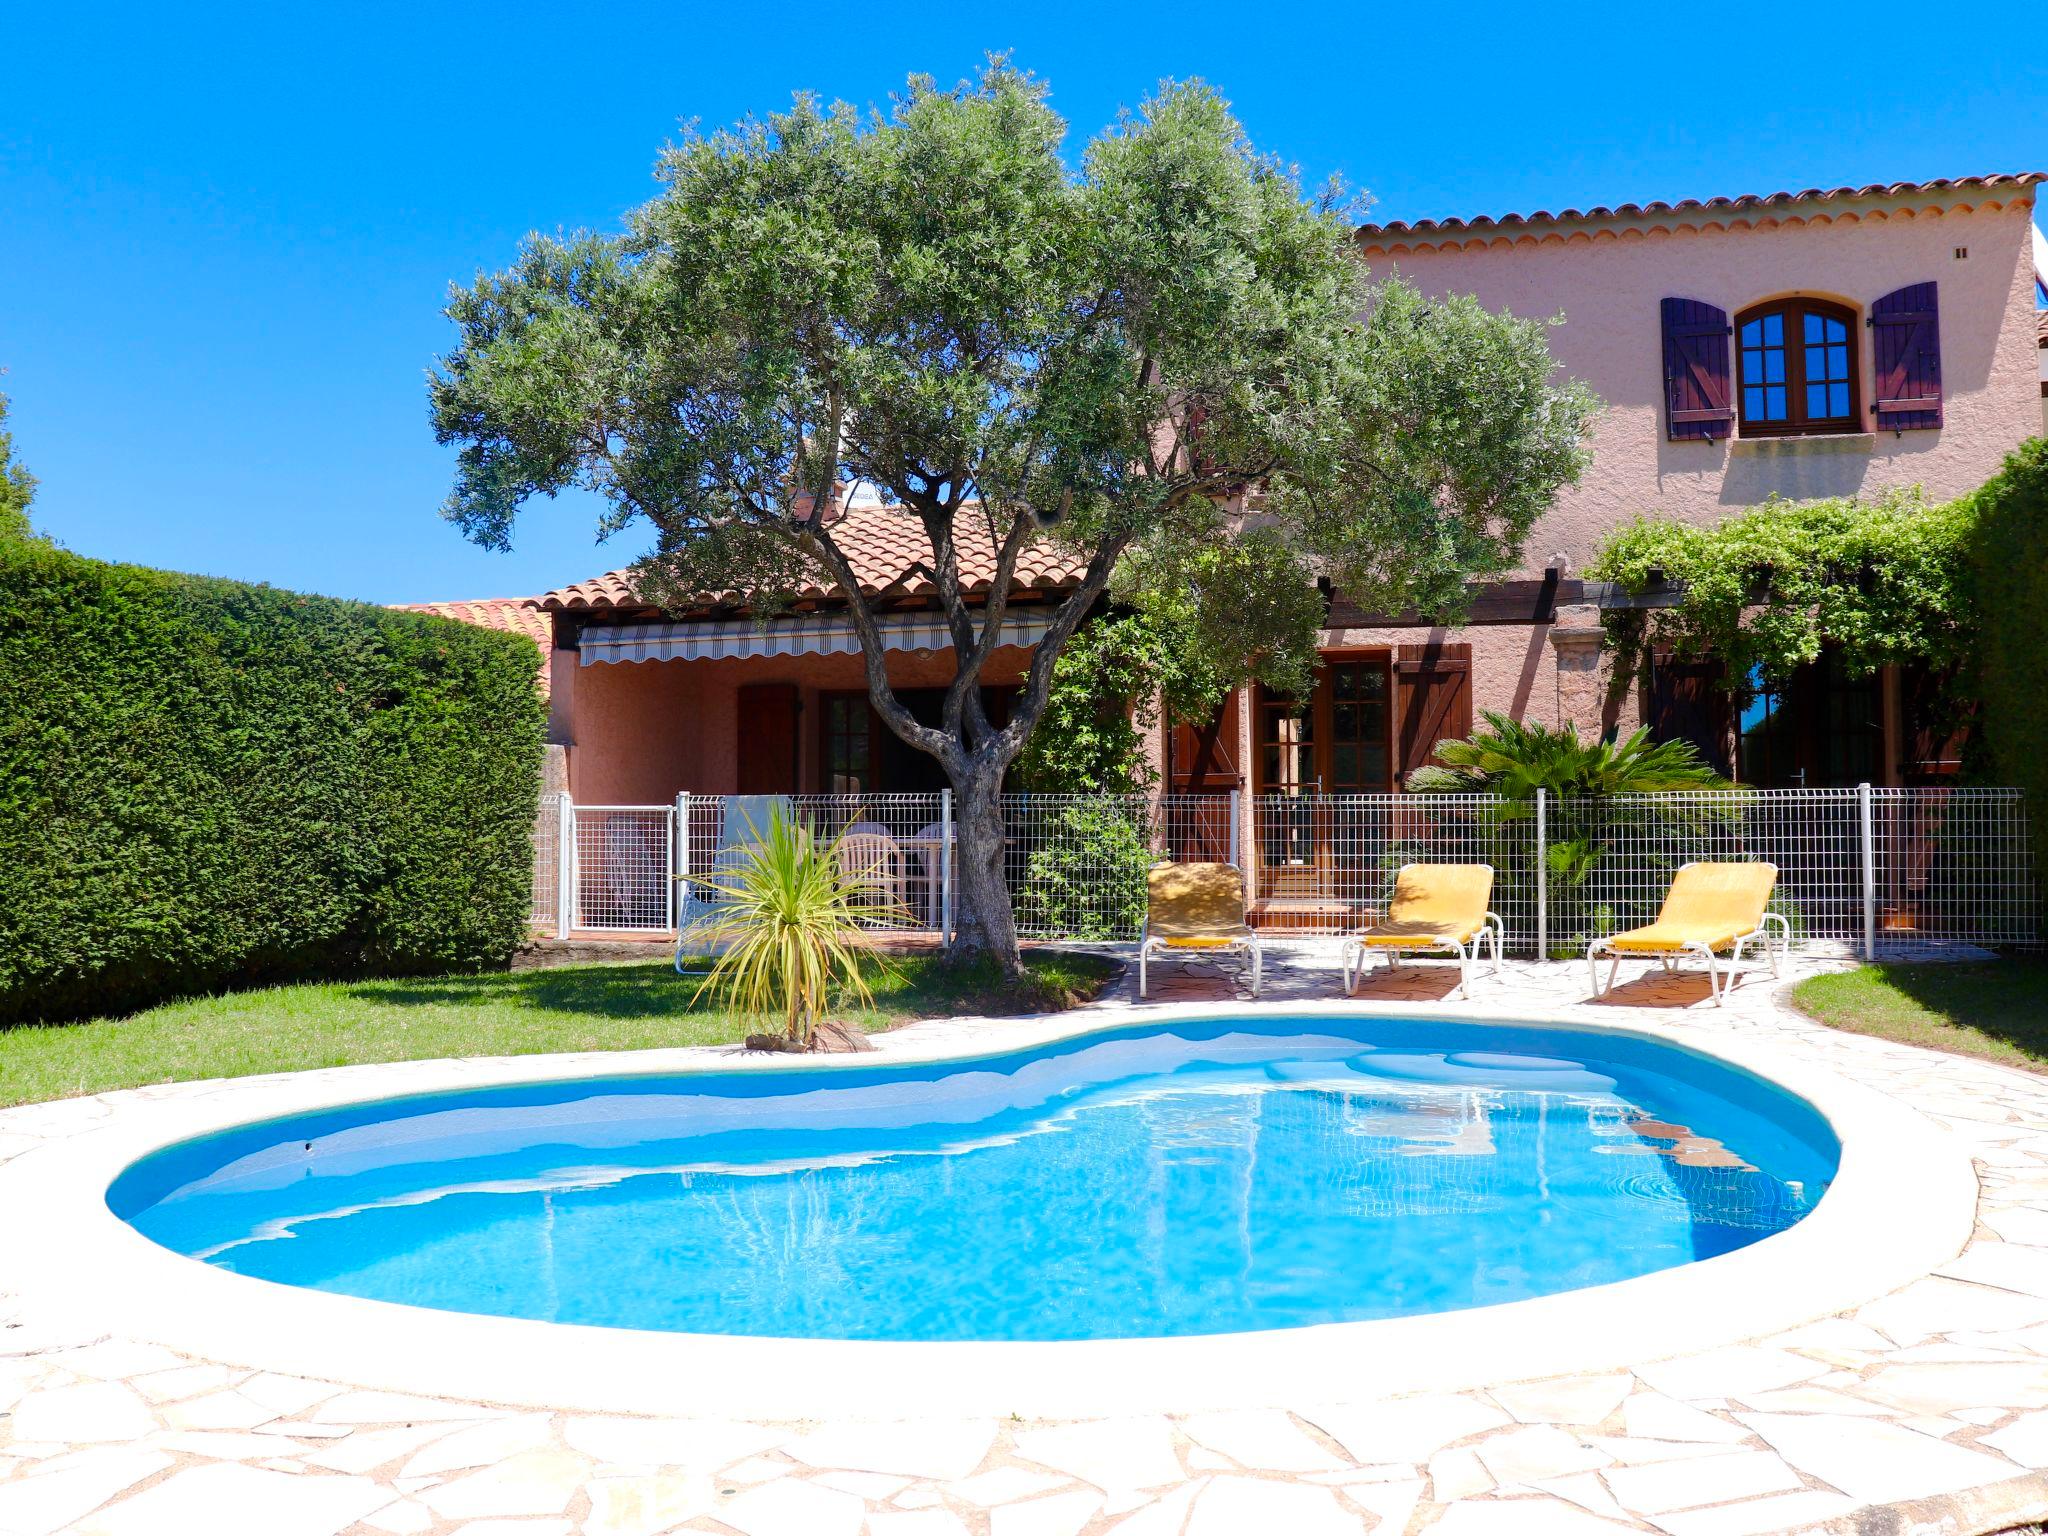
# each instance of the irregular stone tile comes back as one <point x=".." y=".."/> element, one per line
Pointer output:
<point x="224" y="1444"/>
<point x="480" y="1445"/>
<point x="1940" y="1428"/>
<point x="1565" y="1399"/>
<point x="1265" y="1440"/>
<point x="1937" y="1305"/>
<point x="1653" y="1416"/>
<point x="1729" y="1372"/>
<point x="516" y="1528"/>
<point x="1873" y="1461"/>
<point x="2019" y="1224"/>
<point x="119" y="1359"/>
<point x="1939" y="1388"/>
<point x="919" y="1522"/>
<point x="1522" y="1517"/>
<point x="287" y="1394"/>
<point x="1538" y="1451"/>
<point x="228" y="1499"/>
<point x="757" y="1469"/>
<point x="1199" y="1458"/>
<point x="1391" y="1504"/>
<point x="534" y="1483"/>
<point x="48" y="1500"/>
<point x="369" y="1449"/>
<point x="872" y="1486"/>
<point x="1110" y="1453"/>
<point x="1232" y="1506"/>
<point x="1003" y="1485"/>
<point x="916" y="1496"/>
<point x="1063" y="1514"/>
<point x="936" y="1449"/>
<point x="1585" y="1490"/>
<point x="1787" y="1512"/>
<point x="1410" y="1429"/>
<point x="792" y="1507"/>
<point x="184" y="1381"/>
<point x="705" y="1443"/>
<point x="644" y="1506"/>
<point x="1664" y="1486"/>
<point x="1832" y="1336"/>
<point x="1164" y="1516"/>
<point x="1457" y="1473"/>
<point x="85" y="1414"/>
<point x="1816" y="1400"/>
<point x="2025" y="1440"/>
<point x="398" y="1408"/>
<point x="405" y="1518"/>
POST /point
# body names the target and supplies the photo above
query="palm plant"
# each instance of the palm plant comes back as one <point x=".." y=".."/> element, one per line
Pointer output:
<point x="1513" y="760"/>
<point x="789" y="918"/>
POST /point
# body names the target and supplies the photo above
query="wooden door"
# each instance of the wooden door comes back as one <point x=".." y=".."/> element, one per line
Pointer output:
<point x="1201" y="772"/>
<point x="767" y="725"/>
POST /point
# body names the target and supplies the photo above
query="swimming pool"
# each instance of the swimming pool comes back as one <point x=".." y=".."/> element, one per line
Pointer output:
<point x="1197" y="1177"/>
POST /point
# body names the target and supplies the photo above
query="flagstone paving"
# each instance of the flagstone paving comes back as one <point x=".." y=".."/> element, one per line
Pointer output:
<point x="1938" y="1392"/>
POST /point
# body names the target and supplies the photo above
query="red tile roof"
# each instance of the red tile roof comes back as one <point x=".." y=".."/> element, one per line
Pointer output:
<point x="1748" y="203"/>
<point x="520" y="615"/>
<point x="884" y="544"/>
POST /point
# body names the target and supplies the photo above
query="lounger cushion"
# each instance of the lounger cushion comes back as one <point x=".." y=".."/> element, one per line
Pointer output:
<point x="1708" y="904"/>
<point x="1414" y="936"/>
<point x="1435" y="905"/>
<point x="1195" y="906"/>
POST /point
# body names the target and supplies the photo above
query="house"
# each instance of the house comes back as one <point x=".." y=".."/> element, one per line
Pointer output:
<point x="1797" y="344"/>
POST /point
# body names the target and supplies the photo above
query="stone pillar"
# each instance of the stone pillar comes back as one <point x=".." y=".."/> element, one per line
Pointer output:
<point x="1580" y="645"/>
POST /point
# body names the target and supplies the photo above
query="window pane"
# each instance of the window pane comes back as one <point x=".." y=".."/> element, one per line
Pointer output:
<point x="1838" y="400"/>
<point x="1813" y="331"/>
<point x="1345" y="767"/>
<point x="1774" y="404"/>
<point x="1344" y="721"/>
<point x="1774" y="330"/>
<point x="1774" y="367"/>
<point x="1753" y="402"/>
<point x="1837" y="330"/>
<point x="1753" y="334"/>
<point x="1816" y="400"/>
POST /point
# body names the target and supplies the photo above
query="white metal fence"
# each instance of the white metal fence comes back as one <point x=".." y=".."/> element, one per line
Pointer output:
<point x="1869" y="871"/>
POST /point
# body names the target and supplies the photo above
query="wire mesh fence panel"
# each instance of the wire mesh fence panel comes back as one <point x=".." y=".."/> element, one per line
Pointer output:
<point x="622" y="867"/>
<point x="545" y="911"/>
<point x="1326" y="864"/>
<point x="1609" y="860"/>
<point x="1076" y="864"/>
<point x="894" y="847"/>
<point x="1952" y="867"/>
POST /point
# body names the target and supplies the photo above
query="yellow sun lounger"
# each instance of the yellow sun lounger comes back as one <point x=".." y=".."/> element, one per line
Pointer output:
<point x="1196" y="909"/>
<point x="1709" y="908"/>
<point x="1437" y="909"/>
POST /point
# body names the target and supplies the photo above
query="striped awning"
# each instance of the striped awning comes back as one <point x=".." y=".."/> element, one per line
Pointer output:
<point x="802" y="634"/>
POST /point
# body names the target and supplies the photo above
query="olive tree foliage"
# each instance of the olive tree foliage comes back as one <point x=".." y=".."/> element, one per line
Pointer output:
<point x="17" y="486"/>
<point x="931" y="302"/>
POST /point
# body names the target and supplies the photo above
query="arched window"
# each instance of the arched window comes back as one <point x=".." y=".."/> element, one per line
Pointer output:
<point x="1797" y="369"/>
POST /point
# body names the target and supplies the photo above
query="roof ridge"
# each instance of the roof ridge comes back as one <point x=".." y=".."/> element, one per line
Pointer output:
<point x="1693" y="204"/>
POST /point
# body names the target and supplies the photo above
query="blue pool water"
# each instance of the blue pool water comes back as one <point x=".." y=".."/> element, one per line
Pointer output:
<point x="1194" y="1178"/>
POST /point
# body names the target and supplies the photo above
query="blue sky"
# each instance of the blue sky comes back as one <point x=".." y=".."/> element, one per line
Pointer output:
<point x="225" y="232"/>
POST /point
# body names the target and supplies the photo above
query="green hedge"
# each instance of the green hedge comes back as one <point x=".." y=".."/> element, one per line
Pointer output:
<point x="2011" y="565"/>
<point x="206" y="784"/>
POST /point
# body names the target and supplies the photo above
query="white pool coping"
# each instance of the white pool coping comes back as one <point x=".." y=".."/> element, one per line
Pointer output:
<point x="1903" y="1203"/>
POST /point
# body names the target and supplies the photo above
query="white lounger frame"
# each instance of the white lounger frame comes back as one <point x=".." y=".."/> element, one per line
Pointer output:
<point x="1357" y="955"/>
<point x="1773" y="935"/>
<point x="1149" y="946"/>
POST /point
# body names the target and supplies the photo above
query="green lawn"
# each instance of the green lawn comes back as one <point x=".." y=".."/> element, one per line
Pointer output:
<point x="574" y="1008"/>
<point x="1997" y="1009"/>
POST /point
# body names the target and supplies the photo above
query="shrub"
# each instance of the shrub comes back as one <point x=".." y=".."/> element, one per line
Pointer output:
<point x="206" y="784"/>
<point x="2009" y="546"/>
<point x="1085" y="879"/>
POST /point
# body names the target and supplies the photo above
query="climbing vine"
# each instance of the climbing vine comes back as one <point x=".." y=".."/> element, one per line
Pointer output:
<point x="1883" y="581"/>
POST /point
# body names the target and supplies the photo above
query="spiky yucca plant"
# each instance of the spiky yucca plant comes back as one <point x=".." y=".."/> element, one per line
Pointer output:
<point x="789" y="918"/>
<point x="1513" y="759"/>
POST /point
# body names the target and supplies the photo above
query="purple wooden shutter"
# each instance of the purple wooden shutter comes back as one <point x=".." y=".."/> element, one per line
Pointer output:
<point x="1697" y="400"/>
<point x="1905" y="339"/>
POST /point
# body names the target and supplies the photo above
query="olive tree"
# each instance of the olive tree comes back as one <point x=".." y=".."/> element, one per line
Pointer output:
<point x="1140" y="354"/>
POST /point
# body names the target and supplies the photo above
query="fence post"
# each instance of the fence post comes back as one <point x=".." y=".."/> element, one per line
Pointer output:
<point x="1542" y="874"/>
<point x="1236" y="828"/>
<point x="946" y="867"/>
<point x="565" y="865"/>
<point x="679" y="862"/>
<point x="1869" y="872"/>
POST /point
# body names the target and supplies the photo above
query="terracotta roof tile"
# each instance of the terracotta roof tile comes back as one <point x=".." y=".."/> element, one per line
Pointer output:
<point x="520" y="615"/>
<point x="883" y="544"/>
<point x="1746" y="203"/>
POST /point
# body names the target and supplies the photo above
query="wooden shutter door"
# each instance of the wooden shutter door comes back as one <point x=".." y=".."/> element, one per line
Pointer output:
<point x="1433" y="701"/>
<point x="1202" y="759"/>
<point x="1698" y="402"/>
<point x="1905" y="345"/>
<point x="768" y="739"/>
<point x="1687" y="703"/>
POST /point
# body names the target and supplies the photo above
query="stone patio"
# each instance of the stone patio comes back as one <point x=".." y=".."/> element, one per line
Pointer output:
<point x="1932" y="1400"/>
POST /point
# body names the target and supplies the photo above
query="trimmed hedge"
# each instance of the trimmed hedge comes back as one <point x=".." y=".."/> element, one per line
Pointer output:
<point x="2010" y="546"/>
<point x="206" y="784"/>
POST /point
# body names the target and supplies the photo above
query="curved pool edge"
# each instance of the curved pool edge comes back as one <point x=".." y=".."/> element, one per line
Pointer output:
<point x="1902" y="1204"/>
